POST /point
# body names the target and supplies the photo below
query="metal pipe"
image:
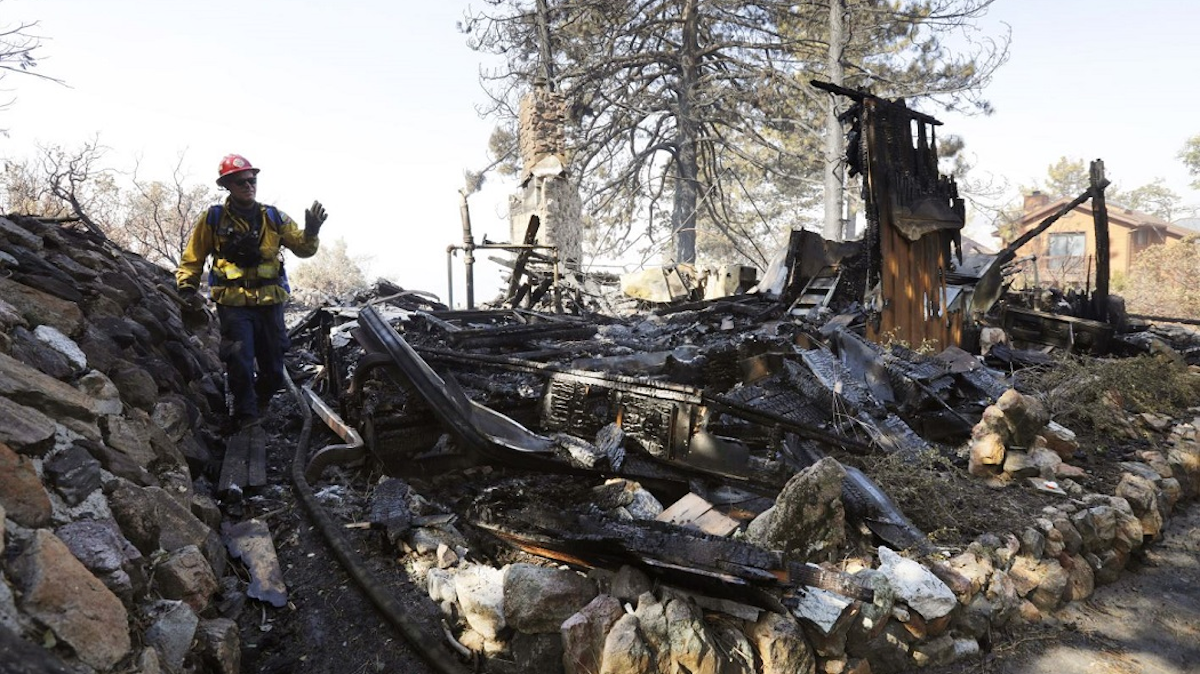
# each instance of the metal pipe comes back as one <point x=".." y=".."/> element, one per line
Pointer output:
<point x="468" y="247"/>
<point x="450" y="275"/>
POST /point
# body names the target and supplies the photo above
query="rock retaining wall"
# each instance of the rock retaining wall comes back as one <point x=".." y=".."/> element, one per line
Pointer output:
<point x="924" y="614"/>
<point x="112" y="561"/>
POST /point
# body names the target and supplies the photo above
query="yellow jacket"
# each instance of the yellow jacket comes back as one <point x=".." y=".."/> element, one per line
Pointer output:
<point x="242" y="286"/>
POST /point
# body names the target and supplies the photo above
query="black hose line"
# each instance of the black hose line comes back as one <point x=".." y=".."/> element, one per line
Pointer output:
<point x="430" y="648"/>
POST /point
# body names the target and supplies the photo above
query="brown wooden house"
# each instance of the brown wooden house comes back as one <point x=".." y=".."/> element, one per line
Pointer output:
<point x="1063" y="256"/>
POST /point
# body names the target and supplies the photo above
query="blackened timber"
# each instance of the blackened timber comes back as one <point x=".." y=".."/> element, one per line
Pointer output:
<point x="860" y="96"/>
<point x="1010" y="251"/>
<point x="688" y="557"/>
<point x="1100" y="218"/>
<point x="510" y="335"/>
<point x="774" y="419"/>
<point x="523" y="255"/>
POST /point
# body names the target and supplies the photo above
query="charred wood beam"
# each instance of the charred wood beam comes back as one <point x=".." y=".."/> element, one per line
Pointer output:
<point x="660" y="390"/>
<point x="1100" y="217"/>
<point x="1010" y="251"/>
<point x="860" y="96"/>
<point x="691" y="558"/>
<point x="1166" y="319"/>
<point x="729" y="302"/>
<point x="519" y="334"/>
<point x="723" y="404"/>
<point x="531" y="231"/>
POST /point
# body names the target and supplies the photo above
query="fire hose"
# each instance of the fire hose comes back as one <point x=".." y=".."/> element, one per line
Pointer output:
<point x="431" y="649"/>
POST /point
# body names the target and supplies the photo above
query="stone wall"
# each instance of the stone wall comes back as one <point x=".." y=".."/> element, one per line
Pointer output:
<point x="925" y="612"/>
<point x="112" y="560"/>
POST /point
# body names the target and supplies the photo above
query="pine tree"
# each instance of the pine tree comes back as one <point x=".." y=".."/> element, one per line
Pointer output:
<point x="698" y="114"/>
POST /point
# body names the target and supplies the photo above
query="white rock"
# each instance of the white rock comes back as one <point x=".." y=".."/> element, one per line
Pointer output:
<point x="62" y="344"/>
<point x="480" y="591"/>
<point x="820" y="607"/>
<point x="916" y="585"/>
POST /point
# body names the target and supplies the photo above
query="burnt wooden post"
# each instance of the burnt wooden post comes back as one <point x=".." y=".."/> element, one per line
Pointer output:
<point x="1100" y="216"/>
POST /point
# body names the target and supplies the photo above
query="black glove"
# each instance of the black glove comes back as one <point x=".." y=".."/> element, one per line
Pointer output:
<point x="192" y="301"/>
<point x="314" y="217"/>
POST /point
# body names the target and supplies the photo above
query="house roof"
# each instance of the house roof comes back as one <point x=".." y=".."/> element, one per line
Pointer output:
<point x="1117" y="215"/>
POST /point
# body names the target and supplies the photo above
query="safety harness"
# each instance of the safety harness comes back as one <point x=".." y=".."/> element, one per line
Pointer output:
<point x="242" y="249"/>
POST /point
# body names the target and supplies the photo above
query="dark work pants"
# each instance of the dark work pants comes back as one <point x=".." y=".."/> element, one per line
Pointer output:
<point x="253" y="340"/>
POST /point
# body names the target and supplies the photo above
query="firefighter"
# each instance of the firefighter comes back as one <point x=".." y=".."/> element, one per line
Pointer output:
<point x="247" y="283"/>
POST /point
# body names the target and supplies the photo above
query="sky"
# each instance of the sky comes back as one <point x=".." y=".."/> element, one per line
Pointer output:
<point x="371" y="106"/>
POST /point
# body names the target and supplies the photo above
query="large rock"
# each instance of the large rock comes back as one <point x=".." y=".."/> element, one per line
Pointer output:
<point x="808" y="520"/>
<point x="42" y="308"/>
<point x="1081" y="579"/>
<point x="1026" y="417"/>
<point x="583" y="634"/>
<point x="692" y="647"/>
<point x="130" y="437"/>
<point x="151" y="519"/>
<point x="118" y="463"/>
<point x="186" y="575"/>
<point x="28" y="349"/>
<point x="780" y="645"/>
<point x="58" y="591"/>
<point x="985" y="454"/>
<point x="56" y="340"/>
<point x="1143" y="498"/>
<point x="1043" y="581"/>
<point x="1097" y="526"/>
<point x="25" y="429"/>
<point x="219" y="645"/>
<point x="46" y="394"/>
<point x="916" y="585"/>
<point x="538" y="599"/>
<point x="480" y="592"/>
<point x="172" y="629"/>
<point x="136" y="385"/>
<point x="626" y="650"/>
<point x="652" y="624"/>
<point x="74" y="473"/>
<point x="1184" y="459"/>
<point x="101" y="547"/>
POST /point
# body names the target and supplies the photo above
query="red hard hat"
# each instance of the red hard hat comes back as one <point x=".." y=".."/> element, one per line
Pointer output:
<point x="234" y="163"/>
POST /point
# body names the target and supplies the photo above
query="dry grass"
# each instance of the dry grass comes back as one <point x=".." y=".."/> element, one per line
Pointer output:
<point x="949" y="505"/>
<point x="1100" y="394"/>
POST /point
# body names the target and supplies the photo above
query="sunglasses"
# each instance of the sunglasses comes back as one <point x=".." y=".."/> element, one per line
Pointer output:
<point x="242" y="182"/>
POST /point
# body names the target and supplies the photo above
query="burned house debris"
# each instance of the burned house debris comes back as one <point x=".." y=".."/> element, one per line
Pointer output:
<point x="697" y="481"/>
<point x="700" y="455"/>
<point x="715" y="462"/>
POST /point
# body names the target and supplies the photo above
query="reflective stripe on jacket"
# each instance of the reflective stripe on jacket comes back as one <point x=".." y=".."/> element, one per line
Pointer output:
<point x="242" y="286"/>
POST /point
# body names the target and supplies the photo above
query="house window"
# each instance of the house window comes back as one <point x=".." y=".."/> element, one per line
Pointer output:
<point x="1070" y="244"/>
